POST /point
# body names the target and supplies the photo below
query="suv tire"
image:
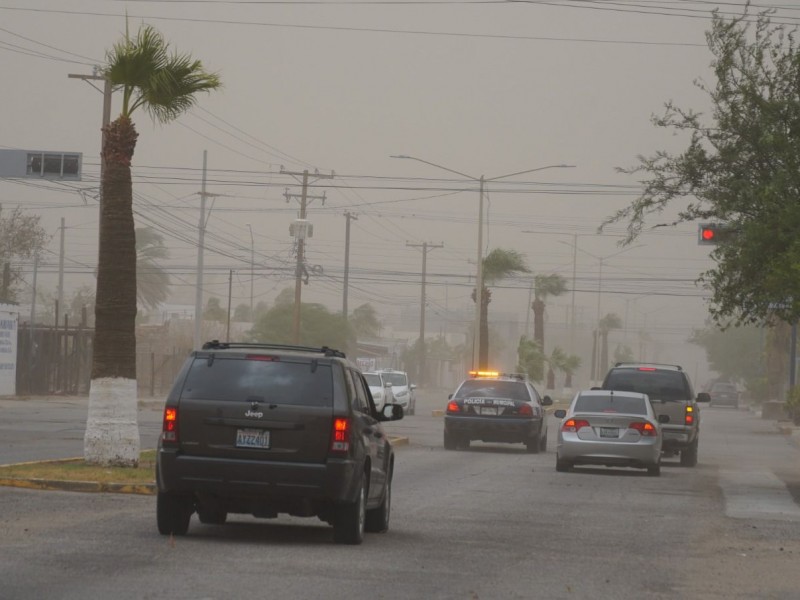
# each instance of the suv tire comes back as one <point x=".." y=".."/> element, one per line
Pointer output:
<point x="689" y="455"/>
<point x="173" y="513"/>
<point x="348" y="526"/>
<point x="378" y="518"/>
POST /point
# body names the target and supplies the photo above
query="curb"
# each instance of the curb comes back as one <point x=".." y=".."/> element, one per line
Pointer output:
<point x="96" y="487"/>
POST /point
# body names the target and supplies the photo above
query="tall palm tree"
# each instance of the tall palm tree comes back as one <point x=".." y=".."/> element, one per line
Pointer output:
<point x="152" y="281"/>
<point x="497" y="265"/>
<point x="165" y="84"/>
<point x="544" y="286"/>
<point x="607" y="323"/>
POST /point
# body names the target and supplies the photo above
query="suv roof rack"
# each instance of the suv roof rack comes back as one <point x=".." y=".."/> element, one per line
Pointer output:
<point x="217" y="345"/>
<point x="633" y="364"/>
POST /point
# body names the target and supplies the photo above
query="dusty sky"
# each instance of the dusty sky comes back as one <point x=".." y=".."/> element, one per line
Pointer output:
<point x="483" y="88"/>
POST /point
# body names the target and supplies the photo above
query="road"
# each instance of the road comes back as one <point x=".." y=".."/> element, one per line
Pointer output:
<point x="490" y="522"/>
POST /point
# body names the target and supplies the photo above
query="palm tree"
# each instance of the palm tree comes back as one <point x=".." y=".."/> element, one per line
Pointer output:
<point x="544" y="286"/>
<point x="571" y="364"/>
<point x="152" y="281"/>
<point x="497" y="265"/>
<point x="165" y="84"/>
<point x="607" y="323"/>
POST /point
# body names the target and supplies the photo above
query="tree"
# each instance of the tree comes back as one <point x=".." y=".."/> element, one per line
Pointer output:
<point x="497" y="265"/>
<point x="21" y="238"/>
<point x="544" y="286"/>
<point x="242" y="312"/>
<point x="623" y="354"/>
<point x="530" y="358"/>
<point x="741" y="168"/>
<point x="736" y="353"/>
<point x="165" y="84"/>
<point x="318" y="327"/>
<point x="152" y="281"/>
<point x="364" y="321"/>
<point x="555" y="362"/>
<point x="214" y="311"/>
<point x="609" y="322"/>
<point x="571" y="364"/>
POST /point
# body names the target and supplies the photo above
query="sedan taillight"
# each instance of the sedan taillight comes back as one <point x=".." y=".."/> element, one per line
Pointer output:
<point x="525" y="410"/>
<point x="644" y="428"/>
<point x="574" y="425"/>
<point x="453" y="407"/>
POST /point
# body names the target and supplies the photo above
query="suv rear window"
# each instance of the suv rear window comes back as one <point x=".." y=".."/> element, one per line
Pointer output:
<point x="658" y="384"/>
<point x="273" y="381"/>
<point x="482" y="388"/>
<point x="611" y="404"/>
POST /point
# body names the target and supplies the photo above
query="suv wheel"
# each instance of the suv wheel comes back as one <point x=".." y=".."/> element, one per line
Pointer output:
<point x="348" y="527"/>
<point x="689" y="455"/>
<point x="172" y="514"/>
<point x="378" y="518"/>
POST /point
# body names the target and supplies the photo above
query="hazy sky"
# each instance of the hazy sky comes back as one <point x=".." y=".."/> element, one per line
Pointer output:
<point x="483" y="88"/>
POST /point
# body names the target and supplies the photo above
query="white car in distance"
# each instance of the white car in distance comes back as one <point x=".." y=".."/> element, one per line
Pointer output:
<point x="381" y="389"/>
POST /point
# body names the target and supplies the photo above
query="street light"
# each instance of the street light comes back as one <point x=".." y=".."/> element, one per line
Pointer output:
<point x="476" y="363"/>
<point x="252" y="278"/>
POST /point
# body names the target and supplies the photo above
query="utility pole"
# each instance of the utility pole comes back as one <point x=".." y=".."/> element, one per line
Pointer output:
<point x="230" y="286"/>
<point x="425" y="248"/>
<point x="198" y="298"/>
<point x="350" y="217"/>
<point x="252" y="267"/>
<point x="300" y="267"/>
<point x="60" y="304"/>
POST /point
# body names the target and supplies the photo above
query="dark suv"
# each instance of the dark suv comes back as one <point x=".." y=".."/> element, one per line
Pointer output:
<point x="264" y="429"/>
<point x="670" y="393"/>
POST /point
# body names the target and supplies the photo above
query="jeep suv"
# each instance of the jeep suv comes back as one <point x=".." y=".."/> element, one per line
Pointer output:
<point x="670" y="393"/>
<point x="264" y="429"/>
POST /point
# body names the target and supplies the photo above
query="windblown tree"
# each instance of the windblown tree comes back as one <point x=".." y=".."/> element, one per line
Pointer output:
<point x="152" y="280"/>
<point x="164" y="84"/>
<point x="364" y="321"/>
<point x="530" y="359"/>
<point x="544" y="287"/>
<point x="608" y="323"/>
<point x="21" y="238"/>
<point x="498" y="264"/>
<point x="741" y="168"/>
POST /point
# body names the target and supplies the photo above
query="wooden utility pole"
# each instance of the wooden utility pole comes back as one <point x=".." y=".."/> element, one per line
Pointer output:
<point x="300" y="268"/>
<point x="426" y="246"/>
<point x="350" y="217"/>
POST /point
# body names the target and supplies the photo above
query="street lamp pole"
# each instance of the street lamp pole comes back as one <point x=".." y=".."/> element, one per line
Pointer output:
<point x="476" y="362"/>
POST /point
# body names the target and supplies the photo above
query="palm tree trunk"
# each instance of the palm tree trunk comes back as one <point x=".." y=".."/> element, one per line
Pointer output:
<point x="483" y="351"/>
<point x="112" y="431"/>
<point x="538" y="321"/>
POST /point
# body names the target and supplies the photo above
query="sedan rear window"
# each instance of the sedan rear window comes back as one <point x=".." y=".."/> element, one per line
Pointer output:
<point x="611" y="404"/>
<point x="278" y="382"/>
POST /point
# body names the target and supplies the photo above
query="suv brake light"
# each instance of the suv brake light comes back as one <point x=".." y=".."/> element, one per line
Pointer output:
<point x="169" y="430"/>
<point x="574" y="425"/>
<point x="647" y="368"/>
<point x="645" y="428"/>
<point x="340" y="441"/>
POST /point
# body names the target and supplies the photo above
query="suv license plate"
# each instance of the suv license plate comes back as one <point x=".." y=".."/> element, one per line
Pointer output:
<point x="252" y="438"/>
<point x="609" y="432"/>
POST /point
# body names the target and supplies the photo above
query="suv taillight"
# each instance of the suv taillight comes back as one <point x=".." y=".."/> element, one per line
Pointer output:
<point x="340" y="439"/>
<point x="689" y="418"/>
<point x="574" y="425"/>
<point x="169" y="431"/>
<point x="644" y="428"/>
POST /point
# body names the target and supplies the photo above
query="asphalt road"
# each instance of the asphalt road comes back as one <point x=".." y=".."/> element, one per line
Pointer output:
<point x="490" y="522"/>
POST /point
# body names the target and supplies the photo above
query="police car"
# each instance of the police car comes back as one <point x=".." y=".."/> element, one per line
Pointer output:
<point x="496" y="407"/>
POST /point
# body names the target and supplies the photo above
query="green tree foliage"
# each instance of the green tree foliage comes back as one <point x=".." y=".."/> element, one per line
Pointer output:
<point x="285" y="297"/>
<point x="498" y="264"/>
<point x="152" y="281"/>
<point x="21" y="238"/>
<point x="242" y="313"/>
<point x="365" y="323"/>
<point x="318" y="327"/>
<point x="608" y="323"/>
<point x="741" y="167"/>
<point x="736" y="354"/>
<point x="531" y="359"/>
<point x="623" y="353"/>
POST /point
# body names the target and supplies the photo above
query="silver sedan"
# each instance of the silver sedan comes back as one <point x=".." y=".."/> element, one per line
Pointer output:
<point x="615" y="429"/>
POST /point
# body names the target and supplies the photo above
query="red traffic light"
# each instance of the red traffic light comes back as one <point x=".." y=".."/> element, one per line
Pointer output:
<point x="712" y="233"/>
<point x="708" y="234"/>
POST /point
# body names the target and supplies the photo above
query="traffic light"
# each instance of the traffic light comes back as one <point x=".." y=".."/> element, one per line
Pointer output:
<point x="711" y="233"/>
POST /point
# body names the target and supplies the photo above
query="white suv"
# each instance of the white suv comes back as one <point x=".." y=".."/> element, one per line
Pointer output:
<point x="402" y="389"/>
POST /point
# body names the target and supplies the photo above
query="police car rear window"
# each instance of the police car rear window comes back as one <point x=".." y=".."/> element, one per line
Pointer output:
<point x="486" y="388"/>
<point x="278" y="382"/>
